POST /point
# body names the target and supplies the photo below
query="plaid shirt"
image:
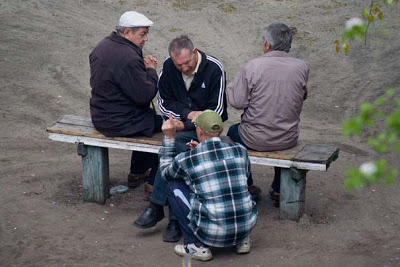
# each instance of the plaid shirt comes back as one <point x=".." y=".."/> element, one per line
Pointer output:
<point x="222" y="211"/>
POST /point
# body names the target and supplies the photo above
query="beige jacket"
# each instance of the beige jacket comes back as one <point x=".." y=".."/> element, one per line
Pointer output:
<point x="271" y="90"/>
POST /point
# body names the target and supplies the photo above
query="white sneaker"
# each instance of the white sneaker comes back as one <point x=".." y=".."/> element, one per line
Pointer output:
<point x="244" y="246"/>
<point x="201" y="253"/>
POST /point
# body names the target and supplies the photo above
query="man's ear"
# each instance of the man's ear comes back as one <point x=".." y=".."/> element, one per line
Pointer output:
<point x="126" y="30"/>
<point x="194" y="50"/>
<point x="266" y="47"/>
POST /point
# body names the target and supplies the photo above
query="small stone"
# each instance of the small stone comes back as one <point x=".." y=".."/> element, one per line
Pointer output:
<point x="103" y="219"/>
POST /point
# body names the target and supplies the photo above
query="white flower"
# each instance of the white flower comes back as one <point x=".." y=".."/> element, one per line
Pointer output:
<point x="353" y="22"/>
<point x="368" y="168"/>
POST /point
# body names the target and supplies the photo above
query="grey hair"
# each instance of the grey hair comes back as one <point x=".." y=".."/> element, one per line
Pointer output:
<point x="279" y="36"/>
<point x="180" y="43"/>
<point x="121" y="29"/>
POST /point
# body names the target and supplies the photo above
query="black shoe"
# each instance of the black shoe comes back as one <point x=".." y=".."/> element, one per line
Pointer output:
<point x="255" y="192"/>
<point x="150" y="217"/>
<point x="274" y="196"/>
<point x="135" y="180"/>
<point x="173" y="232"/>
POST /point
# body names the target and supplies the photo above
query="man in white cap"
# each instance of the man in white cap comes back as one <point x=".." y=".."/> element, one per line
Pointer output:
<point x="124" y="82"/>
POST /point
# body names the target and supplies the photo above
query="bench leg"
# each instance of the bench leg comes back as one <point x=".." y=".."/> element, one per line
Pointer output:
<point x="292" y="199"/>
<point x="95" y="173"/>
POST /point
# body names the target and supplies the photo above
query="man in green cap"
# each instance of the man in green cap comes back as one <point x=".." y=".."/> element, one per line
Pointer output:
<point x="207" y="189"/>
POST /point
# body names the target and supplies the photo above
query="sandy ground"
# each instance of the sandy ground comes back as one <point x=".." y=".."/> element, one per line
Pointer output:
<point x="44" y="74"/>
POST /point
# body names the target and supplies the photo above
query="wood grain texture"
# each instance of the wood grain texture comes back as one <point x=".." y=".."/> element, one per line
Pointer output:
<point x="317" y="153"/>
<point x="301" y="153"/>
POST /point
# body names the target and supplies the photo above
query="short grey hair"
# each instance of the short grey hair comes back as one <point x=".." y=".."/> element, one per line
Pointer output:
<point x="180" y="43"/>
<point x="279" y="36"/>
<point x="121" y="29"/>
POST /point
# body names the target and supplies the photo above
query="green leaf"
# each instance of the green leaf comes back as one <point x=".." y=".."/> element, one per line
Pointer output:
<point x="380" y="15"/>
<point x="370" y="18"/>
<point x="380" y="101"/>
<point x="365" y="12"/>
<point x="357" y="31"/>
<point x="389" y="92"/>
<point x="352" y="126"/>
<point x="354" y="179"/>
<point x="393" y="121"/>
<point x="346" y="48"/>
<point x="389" y="2"/>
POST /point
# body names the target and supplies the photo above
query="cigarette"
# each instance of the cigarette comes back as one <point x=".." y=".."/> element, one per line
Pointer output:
<point x="191" y="141"/>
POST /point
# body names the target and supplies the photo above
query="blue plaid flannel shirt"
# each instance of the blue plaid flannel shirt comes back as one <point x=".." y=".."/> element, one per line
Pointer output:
<point x="222" y="211"/>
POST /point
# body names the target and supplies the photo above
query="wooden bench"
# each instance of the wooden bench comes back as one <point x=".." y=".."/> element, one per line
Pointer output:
<point x="93" y="147"/>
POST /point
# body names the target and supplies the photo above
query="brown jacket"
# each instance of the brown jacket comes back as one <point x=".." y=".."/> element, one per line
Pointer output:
<point x="271" y="90"/>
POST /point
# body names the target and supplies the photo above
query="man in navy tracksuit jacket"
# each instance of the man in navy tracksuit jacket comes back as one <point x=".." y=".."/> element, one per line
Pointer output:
<point x="189" y="83"/>
<point x="206" y="91"/>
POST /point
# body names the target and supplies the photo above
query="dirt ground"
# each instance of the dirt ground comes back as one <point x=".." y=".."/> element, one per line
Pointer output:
<point x="44" y="74"/>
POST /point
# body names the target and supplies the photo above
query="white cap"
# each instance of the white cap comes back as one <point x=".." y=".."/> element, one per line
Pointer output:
<point x="134" y="19"/>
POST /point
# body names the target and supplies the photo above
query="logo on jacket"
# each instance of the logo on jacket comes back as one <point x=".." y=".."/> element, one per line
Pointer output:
<point x="203" y="85"/>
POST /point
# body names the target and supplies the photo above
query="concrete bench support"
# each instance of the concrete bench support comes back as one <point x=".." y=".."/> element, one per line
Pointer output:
<point x="293" y="189"/>
<point x="95" y="173"/>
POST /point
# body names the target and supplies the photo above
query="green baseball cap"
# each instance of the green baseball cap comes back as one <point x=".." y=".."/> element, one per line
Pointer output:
<point x="209" y="121"/>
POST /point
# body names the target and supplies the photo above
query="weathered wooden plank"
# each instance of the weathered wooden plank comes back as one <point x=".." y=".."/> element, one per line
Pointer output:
<point x="76" y="120"/>
<point x="108" y="143"/>
<point x="317" y="153"/>
<point x="81" y="130"/>
<point x="292" y="198"/>
<point x="95" y="173"/>
<point x="282" y="154"/>
<point x="76" y="130"/>
<point x="284" y="163"/>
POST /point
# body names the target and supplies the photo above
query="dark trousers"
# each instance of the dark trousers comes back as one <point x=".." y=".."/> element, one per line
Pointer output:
<point x="233" y="133"/>
<point x="159" y="195"/>
<point x="142" y="161"/>
<point x="178" y="198"/>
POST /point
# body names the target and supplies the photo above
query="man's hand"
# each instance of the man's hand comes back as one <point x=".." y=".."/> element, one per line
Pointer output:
<point x="192" y="144"/>
<point x="169" y="127"/>
<point x="150" y="62"/>
<point x="193" y="114"/>
<point x="179" y="125"/>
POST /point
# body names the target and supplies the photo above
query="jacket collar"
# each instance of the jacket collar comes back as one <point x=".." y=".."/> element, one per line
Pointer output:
<point x="276" y="54"/>
<point x="119" y="39"/>
<point x="211" y="140"/>
<point x="203" y="61"/>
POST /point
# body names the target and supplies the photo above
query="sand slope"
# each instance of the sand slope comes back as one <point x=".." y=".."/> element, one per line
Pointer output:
<point x="44" y="73"/>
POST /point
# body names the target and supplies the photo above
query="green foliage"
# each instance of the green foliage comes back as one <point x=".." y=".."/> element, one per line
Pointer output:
<point x="386" y="139"/>
<point x="360" y="31"/>
<point x="357" y="178"/>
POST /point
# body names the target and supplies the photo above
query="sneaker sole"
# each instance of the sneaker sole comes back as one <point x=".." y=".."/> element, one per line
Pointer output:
<point x="209" y="257"/>
<point x="243" y="251"/>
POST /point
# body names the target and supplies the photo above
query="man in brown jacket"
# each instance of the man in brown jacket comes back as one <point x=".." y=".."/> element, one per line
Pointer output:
<point x="271" y="90"/>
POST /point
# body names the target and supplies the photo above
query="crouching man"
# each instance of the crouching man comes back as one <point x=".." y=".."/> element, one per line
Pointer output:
<point x="207" y="189"/>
